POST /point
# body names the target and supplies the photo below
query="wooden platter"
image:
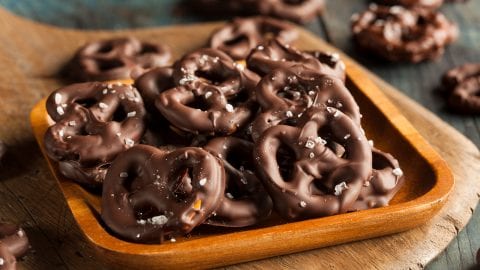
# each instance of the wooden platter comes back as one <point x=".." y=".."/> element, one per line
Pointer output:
<point x="428" y="183"/>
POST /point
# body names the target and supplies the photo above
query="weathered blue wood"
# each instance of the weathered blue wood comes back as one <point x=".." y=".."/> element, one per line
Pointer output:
<point x="418" y="81"/>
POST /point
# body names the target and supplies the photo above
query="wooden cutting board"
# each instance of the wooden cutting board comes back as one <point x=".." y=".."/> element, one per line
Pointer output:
<point x="30" y="57"/>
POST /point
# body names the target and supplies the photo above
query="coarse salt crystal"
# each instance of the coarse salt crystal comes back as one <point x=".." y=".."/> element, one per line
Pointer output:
<point x="397" y="172"/>
<point x="58" y="98"/>
<point x="310" y="144"/>
<point x="123" y="174"/>
<point x="340" y="188"/>
<point x="72" y="123"/>
<point x="346" y="136"/>
<point x="129" y="142"/>
<point x="208" y="94"/>
<point x="289" y="114"/>
<point x="229" y="195"/>
<point x="311" y="155"/>
<point x="131" y="114"/>
<point x="60" y="110"/>
<point x="303" y="204"/>
<point x="102" y="105"/>
<point x="320" y="140"/>
<point x="202" y="181"/>
<point x="159" y="220"/>
<point x="229" y="108"/>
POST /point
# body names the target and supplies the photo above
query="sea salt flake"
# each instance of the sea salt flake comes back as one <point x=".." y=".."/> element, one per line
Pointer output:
<point x="60" y="110"/>
<point x="142" y="222"/>
<point x="340" y="188"/>
<point x="289" y="114"/>
<point x="370" y="142"/>
<point x="303" y="204"/>
<point x="202" y="182"/>
<point x="123" y="174"/>
<point x="397" y="172"/>
<point x="102" y="105"/>
<point x="208" y="94"/>
<point x="58" y="98"/>
<point x="129" y="142"/>
<point x="310" y="144"/>
<point x="229" y="108"/>
<point x="173" y="240"/>
<point x="346" y="136"/>
<point x="320" y="140"/>
<point x="61" y="133"/>
<point x="159" y="220"/>
<point x="131" y="114"/>
<point x="311" y="155"/>
<point x="72" y="123"/>
<point x="229" y="195"/>
<point x="2" y="261"/>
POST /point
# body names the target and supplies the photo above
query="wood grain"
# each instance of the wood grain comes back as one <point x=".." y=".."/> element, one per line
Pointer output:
<point x="34" y="78"/>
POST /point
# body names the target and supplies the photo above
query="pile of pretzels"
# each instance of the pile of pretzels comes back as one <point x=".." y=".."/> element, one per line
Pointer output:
<point x="229" y="135"/>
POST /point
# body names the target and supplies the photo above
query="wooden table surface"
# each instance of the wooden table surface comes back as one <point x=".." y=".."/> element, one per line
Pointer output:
<point x="419" y="81"/>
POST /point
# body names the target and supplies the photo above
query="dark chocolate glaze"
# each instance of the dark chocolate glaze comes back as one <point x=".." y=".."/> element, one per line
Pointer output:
<point x="284" y="94"/>
<point x="384" y="182"/>
<point x="214" y="95"/>
<point x="299" y="11"/>
<point x="317" y="182"/>
<point x="149" y="194"/>
<point x="274" y="54"/>
<point x="240" y="36"/>
<point x="3" y="150"/>
<point x="13" y="244"/>
<point x="426" y="4"/>
<point x="245" y="201"/>
<point x="116" y="58"/>
<point x="399" y="34"/>
<point x="94" y="122"/>
<point x="153" y="82"/>
<point x="463" y="83"/>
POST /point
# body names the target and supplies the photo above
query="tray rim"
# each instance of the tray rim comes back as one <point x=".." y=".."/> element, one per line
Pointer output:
<point x="425" y="205"/>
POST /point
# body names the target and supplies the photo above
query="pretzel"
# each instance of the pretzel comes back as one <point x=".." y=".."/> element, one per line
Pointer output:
<point x="385" y="181"/>
<point x="300" y="11"/>
<point x="399" y="34"/>
<point x="285" y="93"/>
<point x="240" y="36"/>
<point x="114" y="59"/>
<point x="427" y="4"/>
<point x="304" y="177"/>
<point x="149" y="194"/>
<point x="245" y="202"/>
<point x="265" y="58"/>
<point x="214" y="96"/>
<point x="463" y="83"/>
<point x="13" y="244"/>
<point x="94" y="122"/>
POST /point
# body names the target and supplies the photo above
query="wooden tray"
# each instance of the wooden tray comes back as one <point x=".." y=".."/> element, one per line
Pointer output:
<point x="428" y="183"/>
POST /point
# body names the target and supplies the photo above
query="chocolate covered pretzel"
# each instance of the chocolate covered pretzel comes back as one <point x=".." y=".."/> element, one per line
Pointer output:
<point x="300" y="11"/>
<point x="214" y="95"/>
<point x="303" y="175"/>
<point x="13" y="245"/>
<point x="94" y="122"/>
<point x="384" y="182"/>
<point x="114" y="59"/>
<point x="463" y="83"/>
<point x="426" y="4"/>
<point x="242" y="35"/>
<point x="399" y="34"/>
<point x="265" y="58"/>
<point x="149" y="194"/>
<point x="285" y="94"/>
<point x="245" y="201"/>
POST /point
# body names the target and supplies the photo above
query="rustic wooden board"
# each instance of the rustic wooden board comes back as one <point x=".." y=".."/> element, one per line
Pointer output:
<point x="29" y="74"/>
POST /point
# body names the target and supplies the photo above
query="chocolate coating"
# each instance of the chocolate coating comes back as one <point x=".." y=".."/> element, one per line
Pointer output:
<point x="266" y="58"/>
<point x="399" y="34"/>
<point x="312" y="181"/>
<point x="285" y="93"/>
<point x="245" y="201"/>
<point x="116" y="58"/>
<point x="463" y="82"/>
<point x="3" y="150"/>
<point x="427" y="4"/>
<point x="94" y="122"/>
<point x="153" y="82"/>
<point x="299" y="11"/>
<point x="240" y="36"/>
<point x="214" y="95"/>
<point x="13" y="244"/>
<point x="149" y="193"/>
<point x="385" y="181"/>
